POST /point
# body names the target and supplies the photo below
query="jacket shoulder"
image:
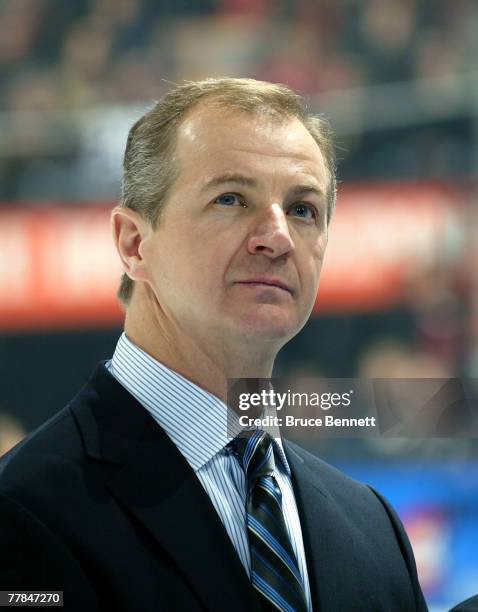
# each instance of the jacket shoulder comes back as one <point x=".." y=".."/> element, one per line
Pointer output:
<point x="56" y="439"/>
<point x="48" y="467"/>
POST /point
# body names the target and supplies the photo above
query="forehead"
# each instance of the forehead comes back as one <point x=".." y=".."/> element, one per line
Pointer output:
<point x="214" y="140"/>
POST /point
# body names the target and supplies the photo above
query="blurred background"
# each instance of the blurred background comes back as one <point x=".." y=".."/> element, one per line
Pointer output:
<point x="398" y="79"/>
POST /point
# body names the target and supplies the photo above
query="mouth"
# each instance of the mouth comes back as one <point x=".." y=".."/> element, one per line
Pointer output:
<point x="267" y="282"/>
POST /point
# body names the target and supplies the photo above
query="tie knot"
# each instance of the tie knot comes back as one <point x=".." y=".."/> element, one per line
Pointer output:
<point x="255" y="451"/>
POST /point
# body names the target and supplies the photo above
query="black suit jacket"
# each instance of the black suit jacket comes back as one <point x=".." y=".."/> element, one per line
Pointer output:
<point x="469" y="605"/>
<point x="98" y="502"/>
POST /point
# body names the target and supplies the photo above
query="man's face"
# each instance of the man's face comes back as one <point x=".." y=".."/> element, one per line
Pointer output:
<point x="239" y="248"/>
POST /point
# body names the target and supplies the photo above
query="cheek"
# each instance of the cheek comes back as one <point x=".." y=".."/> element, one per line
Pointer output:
<point x="314" y="256"/>
<point x="318" y="253"/>
<point x="310" y="273"/>
<point x="201" y="267"/>
<point x="221" y="254"/>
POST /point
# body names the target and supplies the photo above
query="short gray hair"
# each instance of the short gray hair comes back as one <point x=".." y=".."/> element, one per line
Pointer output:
<point x="149" y="170"/>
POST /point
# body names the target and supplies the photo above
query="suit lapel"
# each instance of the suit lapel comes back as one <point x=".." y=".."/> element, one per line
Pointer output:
<point x="156" y="484"/>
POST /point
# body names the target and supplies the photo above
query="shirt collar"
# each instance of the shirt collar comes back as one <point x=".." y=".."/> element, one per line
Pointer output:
<point x="198" y="422"/>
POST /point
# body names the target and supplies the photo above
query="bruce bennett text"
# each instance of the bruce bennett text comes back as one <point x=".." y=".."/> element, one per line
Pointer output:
<point x="291" y="421"/>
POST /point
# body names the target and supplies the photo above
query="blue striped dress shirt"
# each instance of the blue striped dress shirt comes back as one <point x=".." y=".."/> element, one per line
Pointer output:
<point x="197" y="423"/>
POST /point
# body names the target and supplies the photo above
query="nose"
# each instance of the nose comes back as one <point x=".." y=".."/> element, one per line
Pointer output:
<point x="270" y="235"/>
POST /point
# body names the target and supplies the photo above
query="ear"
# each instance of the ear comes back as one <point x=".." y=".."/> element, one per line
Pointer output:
<point x="130" y="229"/>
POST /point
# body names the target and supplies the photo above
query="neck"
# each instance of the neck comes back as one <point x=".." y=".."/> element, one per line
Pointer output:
<point x="202" y="358"/>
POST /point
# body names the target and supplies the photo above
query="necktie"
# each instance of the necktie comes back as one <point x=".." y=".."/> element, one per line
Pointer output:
<point x="274" y="570"/>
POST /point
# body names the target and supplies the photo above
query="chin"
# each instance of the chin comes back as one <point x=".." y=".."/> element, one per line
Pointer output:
<point x="270" y="326"/>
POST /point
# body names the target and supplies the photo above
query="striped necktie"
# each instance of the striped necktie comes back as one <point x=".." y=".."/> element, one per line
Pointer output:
<point x="274" y="570"/>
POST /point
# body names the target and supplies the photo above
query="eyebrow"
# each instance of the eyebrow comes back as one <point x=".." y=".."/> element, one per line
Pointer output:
<point x="239" y="179"/>
<point x="247" y="181"/>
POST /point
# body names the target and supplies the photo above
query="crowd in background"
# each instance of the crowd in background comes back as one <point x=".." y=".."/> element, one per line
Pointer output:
<point x="63" y="63"/>
<point x="56" y="54"/>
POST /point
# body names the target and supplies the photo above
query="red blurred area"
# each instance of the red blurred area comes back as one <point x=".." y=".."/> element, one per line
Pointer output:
<point x="58" y="265"/>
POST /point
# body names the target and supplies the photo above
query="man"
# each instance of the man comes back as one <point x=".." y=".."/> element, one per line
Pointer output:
<point x="133" y="497"/>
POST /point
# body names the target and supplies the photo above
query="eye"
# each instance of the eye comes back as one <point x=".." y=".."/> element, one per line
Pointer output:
<point x="302" y="210"/>
<point x="229" y="199"/>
